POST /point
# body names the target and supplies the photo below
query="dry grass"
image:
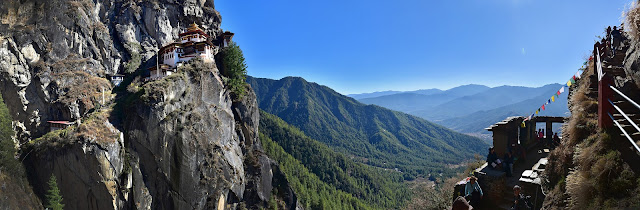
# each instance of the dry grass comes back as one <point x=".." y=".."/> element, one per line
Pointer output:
<point x="97" y="128"/>
<point x="579" y="189"/>
<point x="82" y="88"/>
<point x="632" y="21"/>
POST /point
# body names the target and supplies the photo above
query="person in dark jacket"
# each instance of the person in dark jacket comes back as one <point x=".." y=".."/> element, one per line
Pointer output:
<point x="507" y="164"/>
<point x="492" y="158"/>
<point x="556" y="140"/>
<point x="616" y="39"/>
<point x="520" y="200"/>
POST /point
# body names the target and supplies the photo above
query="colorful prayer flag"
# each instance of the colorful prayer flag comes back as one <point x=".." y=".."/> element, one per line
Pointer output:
<point x="549" y="101"/>
<point x="553" y="98"/>
<point x="542" y="107"/>
<point x="561" y="90"/>
<point x="572" y="80"/>
<point x="537" y="111"/>
<point x="568" y="83"/>
<point x="522" y="125"/>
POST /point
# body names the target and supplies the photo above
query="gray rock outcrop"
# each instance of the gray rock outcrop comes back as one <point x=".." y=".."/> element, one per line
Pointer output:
<point x="177" y="143"/>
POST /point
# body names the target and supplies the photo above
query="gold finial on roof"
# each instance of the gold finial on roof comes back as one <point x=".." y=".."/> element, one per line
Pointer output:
<point x="193" y="27"/>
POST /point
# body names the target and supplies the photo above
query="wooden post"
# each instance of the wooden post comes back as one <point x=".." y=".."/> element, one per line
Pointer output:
<point x="604" y="107"/>
<point x="549" y="127"/>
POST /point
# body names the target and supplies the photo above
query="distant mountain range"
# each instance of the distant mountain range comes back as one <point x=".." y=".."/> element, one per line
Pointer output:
<point x="471" y="108"/>
<point x="412" y="101"/>
<point x="370" y="134"/>
<point x="391" y="92"/>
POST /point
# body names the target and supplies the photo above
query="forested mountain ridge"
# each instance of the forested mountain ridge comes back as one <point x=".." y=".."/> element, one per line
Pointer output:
<point x="325" y="179"/>
<point x="367" y="133"/>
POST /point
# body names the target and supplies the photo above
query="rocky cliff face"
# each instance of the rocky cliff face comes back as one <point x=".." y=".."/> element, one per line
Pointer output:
<point x="176" y="143"/>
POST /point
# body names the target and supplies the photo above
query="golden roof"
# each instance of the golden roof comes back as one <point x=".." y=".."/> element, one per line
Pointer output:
<point x="193" y="27"/>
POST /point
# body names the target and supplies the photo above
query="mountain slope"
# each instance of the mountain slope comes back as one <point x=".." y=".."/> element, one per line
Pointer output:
<point x="316" y="171"/>
<point x="371" y="134"/>
<point x="411" y="101"/>
<point x="406" y="102"/>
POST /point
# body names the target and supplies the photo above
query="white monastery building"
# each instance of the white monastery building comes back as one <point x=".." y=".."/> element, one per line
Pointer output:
<point x="191" y="44"/>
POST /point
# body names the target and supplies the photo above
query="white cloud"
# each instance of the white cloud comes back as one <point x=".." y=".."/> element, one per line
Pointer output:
<point x="523" y="51"/>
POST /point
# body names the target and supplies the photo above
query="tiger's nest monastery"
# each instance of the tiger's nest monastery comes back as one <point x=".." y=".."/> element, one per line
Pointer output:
<point x="194" y="43"/>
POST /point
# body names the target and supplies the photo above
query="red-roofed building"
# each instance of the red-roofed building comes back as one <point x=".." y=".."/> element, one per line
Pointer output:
<point x="59" y="125"/>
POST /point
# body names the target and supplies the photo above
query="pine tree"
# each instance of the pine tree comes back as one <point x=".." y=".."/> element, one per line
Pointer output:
<point x="54" y="199"/>
<point x="235" y="68"/>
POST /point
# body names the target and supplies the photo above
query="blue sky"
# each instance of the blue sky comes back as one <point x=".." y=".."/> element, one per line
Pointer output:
<point x="356" y="46"/>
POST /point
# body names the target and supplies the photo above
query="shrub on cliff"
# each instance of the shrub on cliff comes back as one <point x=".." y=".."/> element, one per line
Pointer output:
<point x="134" y="62"/>
<point x="234" y="68"/>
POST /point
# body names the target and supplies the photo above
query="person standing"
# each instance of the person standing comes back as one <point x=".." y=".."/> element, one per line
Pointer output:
<point x="556" y="140"/>
<point x="616" y="39"/>
<point x="473" y="192"/>
<point x="540" y="134"/>
<point x="508" y="164"/>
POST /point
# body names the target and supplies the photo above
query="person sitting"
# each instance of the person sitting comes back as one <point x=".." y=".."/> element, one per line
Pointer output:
<point x="521" y="202"/>
<point x="473" y="192"/>
<point x="507" y="164"/>
<point x="492" y="158"/>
